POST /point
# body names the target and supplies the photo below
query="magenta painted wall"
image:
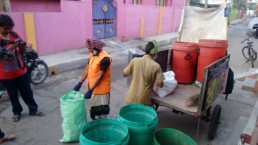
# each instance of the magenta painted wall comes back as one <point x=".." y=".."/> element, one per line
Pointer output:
<point x="167" y="20"/>
<point x="130" y="15"/>
<point x="135" y="13"/>
<point x="59" y="31"/>
<point x="178" y="3"/>
<point x="169" y="2"/>
<point x="176" y="19"/>
<point x="148" y="2"/>
<point x="35" y="5"/>
<point x="121" y="25"/>
<point x="68" y="29"/>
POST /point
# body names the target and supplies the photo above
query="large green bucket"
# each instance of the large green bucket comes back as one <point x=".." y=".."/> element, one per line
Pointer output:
<point x="168" y="136"/>
<point x="141" y="121"/>
<point x="104" y="132"/>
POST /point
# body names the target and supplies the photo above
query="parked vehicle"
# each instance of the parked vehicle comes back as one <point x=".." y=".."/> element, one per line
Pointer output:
<point x="255" y="30"/>
<point x="37" y="68"/>
<point x="251" y="25"/>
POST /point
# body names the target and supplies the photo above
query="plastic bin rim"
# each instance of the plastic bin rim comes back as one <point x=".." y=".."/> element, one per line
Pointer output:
<point x="104" y="121"/>
<point x="188" y="44"/>
<point x="160" y="129"/>
<point x="126" y="138"/>
<point x="213" y="45"/>
<point x="109" y="121"/>
<point x="185" y="48"/>
<point x="138" y="106"/>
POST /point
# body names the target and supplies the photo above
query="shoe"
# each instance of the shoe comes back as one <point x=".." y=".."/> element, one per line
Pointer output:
<point x="16" y="118"/>
<point x="38" y="113"/>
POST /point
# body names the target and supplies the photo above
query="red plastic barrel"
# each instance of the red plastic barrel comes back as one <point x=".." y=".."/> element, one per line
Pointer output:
<point x="210" y="51"/>
<point x="184" y="61"/>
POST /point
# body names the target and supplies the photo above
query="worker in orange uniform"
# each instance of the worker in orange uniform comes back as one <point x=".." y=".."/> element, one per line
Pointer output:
<point x="98" y="75"/>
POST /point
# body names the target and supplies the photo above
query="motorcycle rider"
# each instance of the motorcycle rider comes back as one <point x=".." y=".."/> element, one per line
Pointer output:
<point x="13" y="73"/>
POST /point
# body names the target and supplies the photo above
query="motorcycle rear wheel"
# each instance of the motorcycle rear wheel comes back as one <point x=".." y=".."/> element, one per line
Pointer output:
<point x="39" y="73"/>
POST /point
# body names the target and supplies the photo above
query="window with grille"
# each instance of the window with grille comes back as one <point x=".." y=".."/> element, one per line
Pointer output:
<point x="161" y="2"/>
<point x="136" y="2"/>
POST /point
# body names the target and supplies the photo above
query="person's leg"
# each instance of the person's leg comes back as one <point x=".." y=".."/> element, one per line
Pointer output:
<point x="23" y="84"/>
<point x="1" y="89"/>
<point x="1" y="134"/>
<point x="12" y="91"/>
<point x="99" y="106"/>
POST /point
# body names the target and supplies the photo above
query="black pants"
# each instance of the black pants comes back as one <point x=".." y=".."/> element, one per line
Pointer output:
<point x="21" y="84"/>
<point x="1" y="134"/>
<point x="1" y="87"/>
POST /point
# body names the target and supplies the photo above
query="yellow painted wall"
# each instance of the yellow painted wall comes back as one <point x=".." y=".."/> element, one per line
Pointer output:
<point x="160" y="19"/>
<point x="142" y="28"/>
<point x="30" y="29"/>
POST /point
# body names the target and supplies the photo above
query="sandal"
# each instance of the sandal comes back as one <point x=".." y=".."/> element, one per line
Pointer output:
<point x="37" y="114"/>
<point x="16" y="118"/>
<point x="8" y="137"/>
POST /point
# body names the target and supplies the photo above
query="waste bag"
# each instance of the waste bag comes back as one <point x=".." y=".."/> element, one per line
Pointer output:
<point x="169" y="86"/>
<point x="72" y="106"/>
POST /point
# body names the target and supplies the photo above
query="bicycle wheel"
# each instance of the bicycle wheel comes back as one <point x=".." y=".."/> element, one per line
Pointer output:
<point x="245" y="52"/>
<point x="253" y="54"/>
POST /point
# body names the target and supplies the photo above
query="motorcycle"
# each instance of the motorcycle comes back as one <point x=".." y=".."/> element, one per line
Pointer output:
<point x="37" y="68"/>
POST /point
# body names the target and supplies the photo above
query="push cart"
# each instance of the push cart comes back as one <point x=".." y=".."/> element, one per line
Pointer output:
<point x="213" y="84"/>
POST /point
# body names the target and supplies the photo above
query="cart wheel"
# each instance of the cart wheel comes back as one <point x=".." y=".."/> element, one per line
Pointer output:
<point x="155" y="106"/>
<point x="214" y="122"/>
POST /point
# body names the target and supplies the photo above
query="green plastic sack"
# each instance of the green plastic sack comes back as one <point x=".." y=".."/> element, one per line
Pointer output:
<point x="73" y="112"/>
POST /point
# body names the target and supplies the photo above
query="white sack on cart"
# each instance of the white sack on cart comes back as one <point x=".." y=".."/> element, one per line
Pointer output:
<point x="170" y="84"/>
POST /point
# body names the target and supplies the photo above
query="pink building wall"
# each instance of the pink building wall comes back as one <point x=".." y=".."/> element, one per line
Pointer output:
<point x="130" y="16"/>
<point x="178" y="3"/>
<point x="68" y="29"/>
<point x="59" y="31"/>
<point x="169" y="2"/>
<point x="35" y="5"/>
<point x="148" y="2"/>
<point x="167" y="20"/>
<point x="176" y="19"/>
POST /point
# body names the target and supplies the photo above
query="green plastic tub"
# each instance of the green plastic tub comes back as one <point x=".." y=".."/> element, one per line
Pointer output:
<point x="104" y="132"/>
<point x="169" y="136"/>
<point x="141" y="121"/>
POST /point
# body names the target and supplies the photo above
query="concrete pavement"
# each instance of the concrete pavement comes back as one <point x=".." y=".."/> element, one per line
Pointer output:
<point x="73" y="59"/>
